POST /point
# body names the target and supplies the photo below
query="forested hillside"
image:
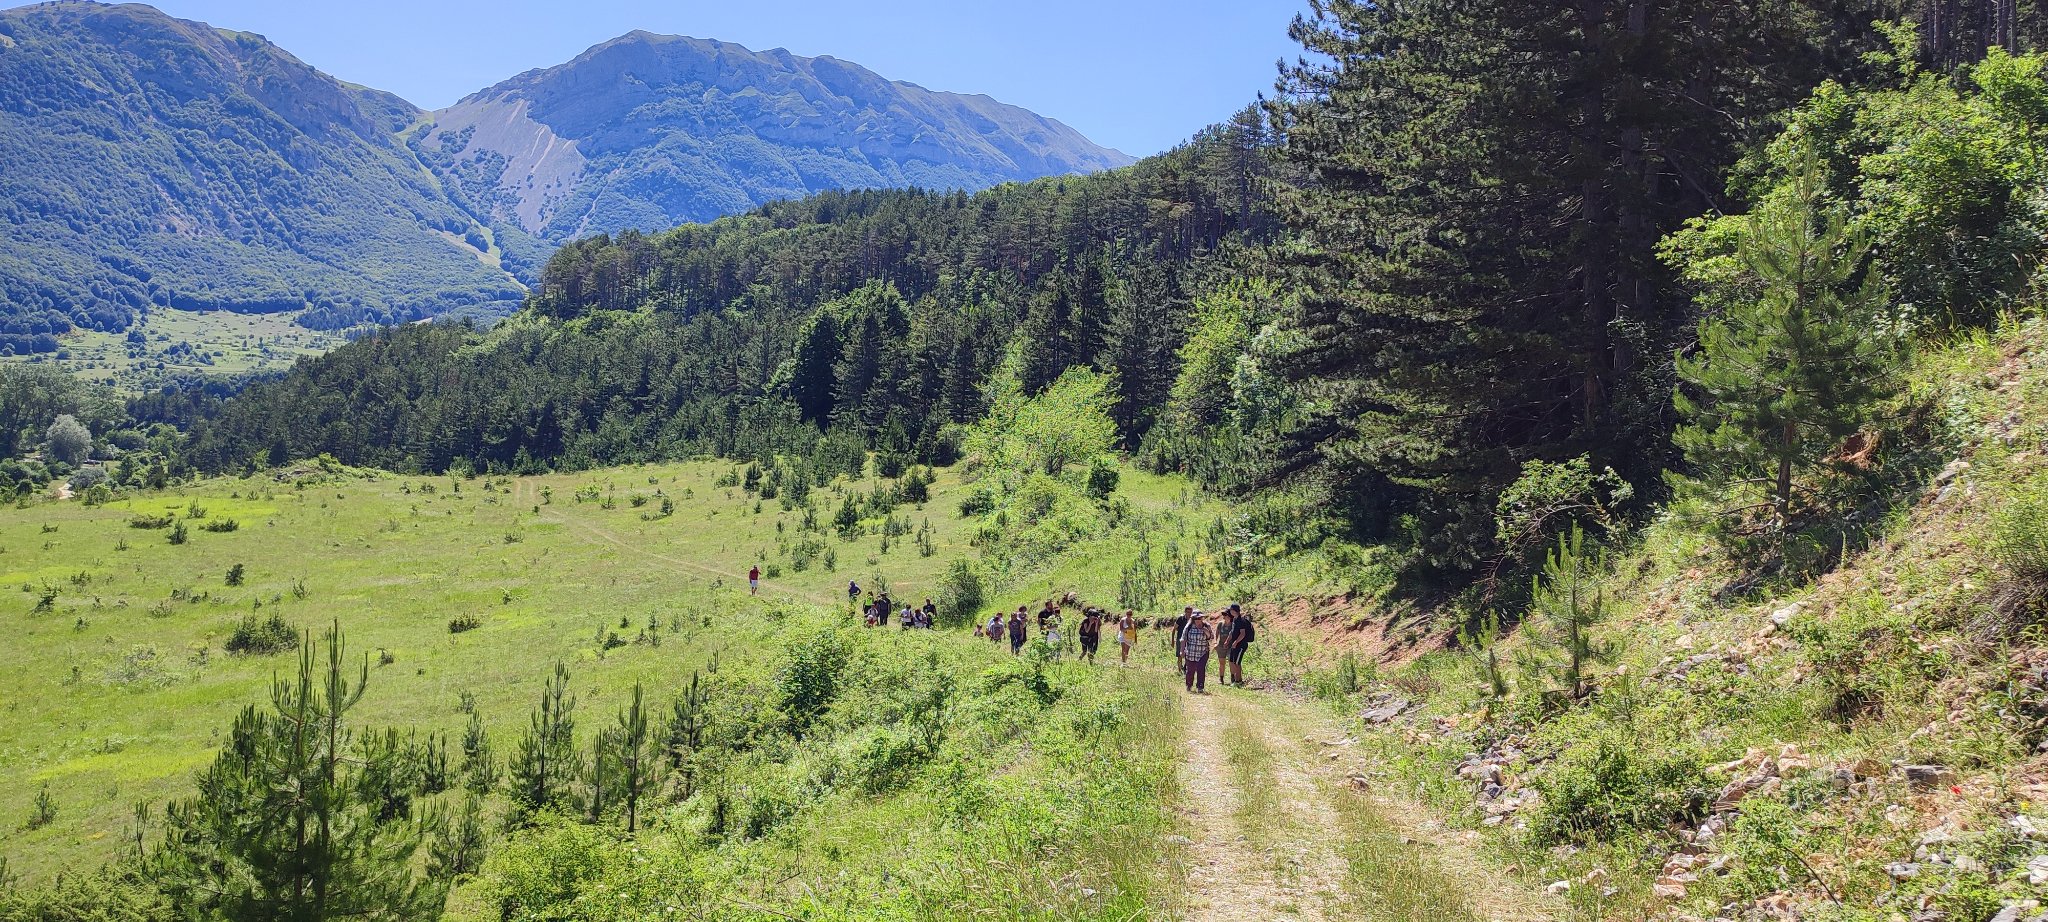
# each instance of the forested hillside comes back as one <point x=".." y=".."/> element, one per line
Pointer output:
<point x="155" y="163"/>
<point x="874" y="316"/>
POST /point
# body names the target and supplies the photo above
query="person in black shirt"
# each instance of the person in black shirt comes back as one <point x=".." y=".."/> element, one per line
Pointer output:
<point x="1241" y="635"/>
<point x="1090" y="633"/>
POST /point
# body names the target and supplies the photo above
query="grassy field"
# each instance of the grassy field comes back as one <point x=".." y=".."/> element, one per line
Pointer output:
<point x="185" y="342"/>
<point x="116" y="686"/>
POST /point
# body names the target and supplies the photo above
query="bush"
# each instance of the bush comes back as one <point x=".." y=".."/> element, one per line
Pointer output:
<point x="1102" y="479"/>
<point x="2019" y="533"/>
<point x="150" y="521"/>
<point x="220" y="526"/>
<point x="263" y="637"/>
<point x="1613" y="784"/>
<point x="464" y="623"/>
<point x="978" y="503"/>
<point x="961" y="594"/>
<point x="179" y="534"/>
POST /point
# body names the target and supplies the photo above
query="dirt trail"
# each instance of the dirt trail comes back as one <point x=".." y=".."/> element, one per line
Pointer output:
<point x="1279" y="832"/>
<point x="1232" y="876"/>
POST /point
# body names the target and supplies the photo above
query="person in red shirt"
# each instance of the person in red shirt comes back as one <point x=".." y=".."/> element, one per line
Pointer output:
<point x="754" y="581"/>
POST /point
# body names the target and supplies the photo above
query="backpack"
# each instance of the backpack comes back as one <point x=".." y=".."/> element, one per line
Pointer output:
<point x="1246" y="633"/>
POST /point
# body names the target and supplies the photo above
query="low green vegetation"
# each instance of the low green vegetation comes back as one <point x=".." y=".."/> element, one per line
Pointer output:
<point x="135" y="653"/>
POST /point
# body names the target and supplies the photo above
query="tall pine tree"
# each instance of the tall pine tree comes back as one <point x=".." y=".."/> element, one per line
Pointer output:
<point x="296" y="822"/>
<point x="1783" y="376"/>
<point x="1474" y="245"/>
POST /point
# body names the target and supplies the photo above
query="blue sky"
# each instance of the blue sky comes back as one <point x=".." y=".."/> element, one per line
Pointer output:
<point x="1137" y="75"/>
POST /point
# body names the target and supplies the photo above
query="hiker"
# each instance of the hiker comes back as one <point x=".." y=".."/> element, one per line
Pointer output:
<point x="754" y="580"/>
<point x="1194" y="652"/>
<point x="1017" y="631"/>
<point x="1091" y="633"/>
<point x="930" y="612"/>
<point x="1127" y="635"/>
<point x="881" y="607"/>
<point x="995" y="627"/>
<point x="1180" y="626"/>
<point x="908" y="620"/>
<point x="1225" y="627"/>
<point x="1046" y="614"/>
<point x="852" y="593"/>
<point x="1240" y="637"/>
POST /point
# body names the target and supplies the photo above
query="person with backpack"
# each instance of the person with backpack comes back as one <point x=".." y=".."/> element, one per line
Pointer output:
<point x="1090" y="633"/>
<point x="1127" y="635"/>
<point x="995" y="627"/>
<point x="1225" y="626"/>
<point x="1180" y="626"/>
<point x="1240" y="638"/>
<point x="929" y="614"/>
<point x="852" y="593"/>
<point x="1194" y="652"/>
<point x="1018" y="631"/>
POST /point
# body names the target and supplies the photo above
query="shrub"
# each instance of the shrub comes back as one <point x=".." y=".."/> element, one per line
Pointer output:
<point x="978" y="503"/>
<point x="1612" y="784"/>
<point x="220" y="526"/>
<point x="2019" y="533"/>
<point x="235" y="574"/>
<point x="45" y="811"/>
<point x="961" y="594"/>
<point x="178" y="534"/>
<point x="464" y="623"/>
<point x="254" y="637"/>
<point x="1102" y="479"/>
<point x="150" y="521"/>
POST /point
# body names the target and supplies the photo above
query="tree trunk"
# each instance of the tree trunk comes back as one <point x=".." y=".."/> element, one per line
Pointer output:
<point x="1783" y="495"/>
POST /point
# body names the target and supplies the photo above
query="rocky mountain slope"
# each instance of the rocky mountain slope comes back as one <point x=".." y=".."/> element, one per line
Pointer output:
<point x="648" y="131"/>
<point x="153" y="162"/>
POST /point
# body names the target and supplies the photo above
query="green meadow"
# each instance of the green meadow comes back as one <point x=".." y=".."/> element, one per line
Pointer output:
<point x="117" y="684"/>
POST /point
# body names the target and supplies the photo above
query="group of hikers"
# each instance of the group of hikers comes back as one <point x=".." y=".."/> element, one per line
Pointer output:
<point x="877" y="610"/>
<point x="1197" y="638"/>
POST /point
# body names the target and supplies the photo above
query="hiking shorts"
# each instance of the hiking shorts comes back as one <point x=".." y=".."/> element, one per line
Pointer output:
<point x="1088" y="644"/>
<point x="1234" y="657"/>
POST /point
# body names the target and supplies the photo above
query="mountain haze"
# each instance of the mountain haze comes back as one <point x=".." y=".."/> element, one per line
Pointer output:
<point x="154" y="162"/>
<point x="648" y="131"/>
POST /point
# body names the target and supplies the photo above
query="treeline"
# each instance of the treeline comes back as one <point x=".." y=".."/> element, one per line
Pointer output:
<point x="873" y="315"/>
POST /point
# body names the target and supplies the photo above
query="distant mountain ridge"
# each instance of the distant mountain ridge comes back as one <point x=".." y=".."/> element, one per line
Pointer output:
<point x="648" y="131"/>
<point x="153" y="162"/>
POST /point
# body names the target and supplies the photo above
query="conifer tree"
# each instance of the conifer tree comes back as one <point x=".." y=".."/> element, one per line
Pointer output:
<point x="458" y="851"/>
<point x="1568" y="608"/>
<point x="686" y="728"/>
<point x="635" y="758"/>
<point x="546" y="766"/>
<point x="294" y="820"/>
<point x="479" y="764"/>
<point x="1783" y="375"/>
<point x="1474" y="247"/>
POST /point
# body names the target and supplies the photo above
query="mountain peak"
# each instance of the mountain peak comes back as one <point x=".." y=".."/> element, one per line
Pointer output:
<point x="649" y="130"/>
